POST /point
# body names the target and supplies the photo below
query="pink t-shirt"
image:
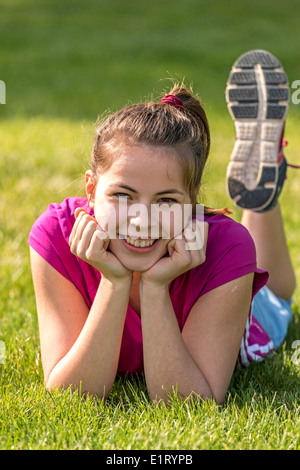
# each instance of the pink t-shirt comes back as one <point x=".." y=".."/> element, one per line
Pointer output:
<point x="230" y="253"/>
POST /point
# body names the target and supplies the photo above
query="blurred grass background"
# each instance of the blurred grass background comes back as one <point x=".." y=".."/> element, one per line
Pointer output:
<point x="66" y="63"/>
<point x="74" y="59"/>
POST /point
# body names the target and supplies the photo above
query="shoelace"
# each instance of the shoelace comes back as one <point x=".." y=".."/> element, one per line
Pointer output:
<point x="291" y="165"/>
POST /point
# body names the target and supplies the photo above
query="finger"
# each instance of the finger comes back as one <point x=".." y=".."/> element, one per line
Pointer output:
<point x="78" y="210"/>
<point x="99" y="243"/>
<point x="195" y="235"/>
<point x="83" y="218"/>
<point x="198" y="256"/>
<point x="86" y="237"/>
<point x="177" y="250"/>
<point x="103" y="236"/>
<point x="171" y="247"/>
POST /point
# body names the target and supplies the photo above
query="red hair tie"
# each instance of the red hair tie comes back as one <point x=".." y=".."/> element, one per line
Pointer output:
<point x="173" y="101"/>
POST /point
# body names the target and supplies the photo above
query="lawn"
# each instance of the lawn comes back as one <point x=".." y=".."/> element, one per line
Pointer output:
<point x="64" y="64"/>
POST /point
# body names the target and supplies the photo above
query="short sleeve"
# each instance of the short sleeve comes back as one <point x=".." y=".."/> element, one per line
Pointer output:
<point x="49" y="240"/>
<point x="237" y="257"/>
<point x="230" y="254"/>
<point x="49" y="237"/>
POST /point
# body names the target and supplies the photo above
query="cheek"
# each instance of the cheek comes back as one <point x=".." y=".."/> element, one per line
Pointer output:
<point x="122" y="218"/>
<point x="114" y="219"/>
<point x="111" y="218"/>
<point x="115" y="246"/>
<point x="172" y="222"/>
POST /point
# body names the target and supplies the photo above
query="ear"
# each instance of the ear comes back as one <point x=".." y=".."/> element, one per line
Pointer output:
<point x="90" y="186"/>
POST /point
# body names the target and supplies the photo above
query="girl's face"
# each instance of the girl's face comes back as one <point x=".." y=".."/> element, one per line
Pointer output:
<point x="133" y="201"/>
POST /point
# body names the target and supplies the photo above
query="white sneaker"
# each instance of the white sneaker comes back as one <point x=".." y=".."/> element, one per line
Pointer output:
<point x="257" y="95"/>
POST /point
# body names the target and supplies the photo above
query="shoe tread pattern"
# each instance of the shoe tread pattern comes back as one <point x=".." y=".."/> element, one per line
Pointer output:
<point x="257" y="96"/>
<point x="242" y="90"/>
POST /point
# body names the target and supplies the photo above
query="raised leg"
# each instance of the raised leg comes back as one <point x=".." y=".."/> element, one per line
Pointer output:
<point x="267" y="231"/>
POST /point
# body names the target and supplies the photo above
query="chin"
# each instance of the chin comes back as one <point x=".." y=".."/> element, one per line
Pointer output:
<point x="136" y="262"/>
<point x="138" y="265"/>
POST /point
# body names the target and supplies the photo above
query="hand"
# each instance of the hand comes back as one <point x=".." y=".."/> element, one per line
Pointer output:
<point x="179" y="259"/>
<point x="90" y="243"/>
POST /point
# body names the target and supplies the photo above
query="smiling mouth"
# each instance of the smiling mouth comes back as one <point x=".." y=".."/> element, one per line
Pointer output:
<point x="138" y="243"/>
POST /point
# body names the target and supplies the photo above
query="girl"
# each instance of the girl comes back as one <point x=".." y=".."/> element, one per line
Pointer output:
<point x="109" y="305"/>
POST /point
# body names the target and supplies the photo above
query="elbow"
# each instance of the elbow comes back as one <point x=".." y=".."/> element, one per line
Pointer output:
<point x="83" y="389"/>
<point x="208" y="398"/>
<point x="165" y="396"/>
<point x="52" y="381"/>
<point x="216" y="398"/>
<point x="79" y="389"/>
<point x="193" y="396"/>
<point x="219" y="400"/>
<point x="52" y="384"/>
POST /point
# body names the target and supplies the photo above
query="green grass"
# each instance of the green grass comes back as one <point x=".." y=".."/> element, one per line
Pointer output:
<point x="64" y="63"/>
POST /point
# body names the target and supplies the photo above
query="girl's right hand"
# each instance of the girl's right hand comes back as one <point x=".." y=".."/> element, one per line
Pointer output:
<point x="89" y="242"/>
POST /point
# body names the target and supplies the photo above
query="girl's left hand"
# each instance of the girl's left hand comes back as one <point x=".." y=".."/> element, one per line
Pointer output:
<point x="180" y="259"/>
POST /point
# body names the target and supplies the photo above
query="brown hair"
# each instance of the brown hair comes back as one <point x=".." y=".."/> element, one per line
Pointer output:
<point x="160" y="124"/>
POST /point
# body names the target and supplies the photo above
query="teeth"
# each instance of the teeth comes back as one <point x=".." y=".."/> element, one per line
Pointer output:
<point x="139" y="243"/>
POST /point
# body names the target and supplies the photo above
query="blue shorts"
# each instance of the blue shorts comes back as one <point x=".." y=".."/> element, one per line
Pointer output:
<point x="273" y="313"/>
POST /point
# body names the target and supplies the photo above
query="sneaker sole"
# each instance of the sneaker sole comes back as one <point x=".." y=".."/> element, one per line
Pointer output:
<point x="257" y="95"/>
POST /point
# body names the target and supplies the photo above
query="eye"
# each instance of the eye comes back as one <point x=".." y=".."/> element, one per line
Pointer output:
<point x="121" y="195"/>
<point x="167" y="200"/>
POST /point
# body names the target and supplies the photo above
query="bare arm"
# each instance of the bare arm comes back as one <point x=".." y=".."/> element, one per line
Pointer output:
<point x="202" y="358"/>
<point x="81" y="347"/>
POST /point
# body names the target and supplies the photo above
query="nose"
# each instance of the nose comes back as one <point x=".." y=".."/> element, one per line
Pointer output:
<point x="136" y="221"/>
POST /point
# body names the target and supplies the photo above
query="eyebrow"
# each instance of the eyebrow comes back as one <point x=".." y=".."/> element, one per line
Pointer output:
<point x="167" y="191"/>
